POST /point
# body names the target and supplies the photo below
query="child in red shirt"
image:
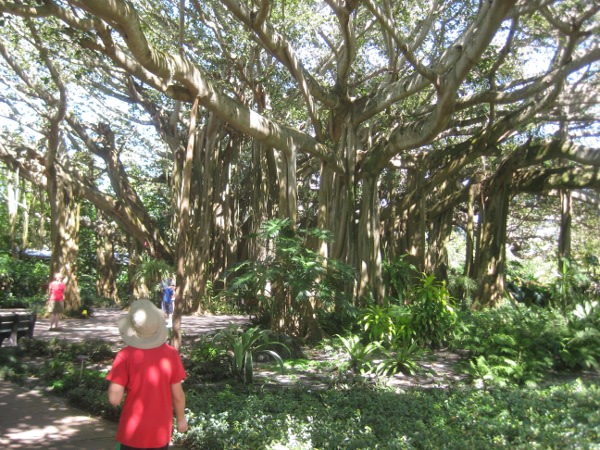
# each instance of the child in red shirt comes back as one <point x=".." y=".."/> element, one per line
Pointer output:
<point x="150" y="371"/>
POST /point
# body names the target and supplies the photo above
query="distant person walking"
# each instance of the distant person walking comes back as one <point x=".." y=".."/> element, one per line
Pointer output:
<point x="167" y="303"/>
<point x="150" y="371"/>
<point x="56" y="301"/>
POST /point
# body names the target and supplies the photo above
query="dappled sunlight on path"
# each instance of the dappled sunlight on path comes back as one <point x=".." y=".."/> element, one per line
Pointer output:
<point x="31" y="419"/>
<point x="103" y="325"/>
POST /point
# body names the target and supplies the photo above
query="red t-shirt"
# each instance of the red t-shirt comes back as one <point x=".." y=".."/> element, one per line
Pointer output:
<point x="57" y="291"/>
<point x="147" y="375"/>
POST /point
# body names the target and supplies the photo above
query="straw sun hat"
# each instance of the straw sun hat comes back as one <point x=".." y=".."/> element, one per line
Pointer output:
<point x="144" y="326"/>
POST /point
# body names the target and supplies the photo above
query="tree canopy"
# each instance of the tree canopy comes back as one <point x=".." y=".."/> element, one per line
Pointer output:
<point x="389" y="124"/>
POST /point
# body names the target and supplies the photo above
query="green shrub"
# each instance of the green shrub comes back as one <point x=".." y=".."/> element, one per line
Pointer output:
<point x="511" y="344"/>
<point x="387" y="324"/>
<point x="520" y="344"/>
<point x="398" y="275"/>
<point x="462" y="288"/>
<point x="242" y="345"/>
<point x="570" y="286"/>
<point x="356" y="355"/>
<point x="432" y="313"/>
<point x="299" y="274"/>
<point x="12" y="367"/>
<point x="400" y="358"/>
<point x="581" y="348"/>
<point x="86" y="389"/>
<point x="22" y="279"/>
<point x="377" y="323"/>
<point x="206" y="361"/>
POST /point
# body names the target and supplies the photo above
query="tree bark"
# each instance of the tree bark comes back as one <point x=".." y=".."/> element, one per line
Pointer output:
<point x="564" y="236"/>
<point x="106" y="283"/>
<point x="12" y="197"/>
<point x="469" y="269"/>
<point x="491" y="259"/>
<point x="369" y="250"/>
<point x="438" y="235"/>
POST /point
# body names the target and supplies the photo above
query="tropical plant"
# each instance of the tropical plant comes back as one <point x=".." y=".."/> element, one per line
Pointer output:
<point x="241" y="344"/>
<point x="400" y="358"/>
<point x="501" y="365"/>
<point x="377" y="323"/>
<point x="569" y="286"/>
<point x="388" y="324"/>
<point x="151" y="272"/>
<point x="512" y="344"/>
<point x="357" y="356"/>
<point x="22" y="281"/>
<point x="287" y="282"/>
<point x="581" y="349"/>
<point x="462" y="288"/>
<point x="432" y="313"/>
<point x="397" y="275"/>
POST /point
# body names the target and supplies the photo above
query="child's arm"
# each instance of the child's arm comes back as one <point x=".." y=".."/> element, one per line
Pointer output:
<point x="179" y="406"/>
<point x="116" y="392"/>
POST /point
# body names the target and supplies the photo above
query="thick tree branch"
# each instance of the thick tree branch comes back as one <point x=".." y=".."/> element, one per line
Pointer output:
<point x="184" y="75"/>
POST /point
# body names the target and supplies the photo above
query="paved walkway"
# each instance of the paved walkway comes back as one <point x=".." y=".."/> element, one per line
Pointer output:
<point x="31" y="419"/>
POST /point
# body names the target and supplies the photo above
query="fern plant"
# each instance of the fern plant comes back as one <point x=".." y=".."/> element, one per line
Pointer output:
<point x="581" y="349"/>
<point x="397" y="275"/>
<point x="290" y="278"/>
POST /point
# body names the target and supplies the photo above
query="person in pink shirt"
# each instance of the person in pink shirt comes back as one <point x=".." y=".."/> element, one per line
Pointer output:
<point x="148" y="373"/>
<point x="56" y="301"/>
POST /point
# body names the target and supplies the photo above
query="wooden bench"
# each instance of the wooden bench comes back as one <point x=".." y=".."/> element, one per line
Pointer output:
<point x="15" y="325"/>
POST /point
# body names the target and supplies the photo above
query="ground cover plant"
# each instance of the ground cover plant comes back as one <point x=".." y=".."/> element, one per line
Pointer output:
<point x="515" y="344"/>
<point x="319" y="407"/>
<point x="563" y="416"/>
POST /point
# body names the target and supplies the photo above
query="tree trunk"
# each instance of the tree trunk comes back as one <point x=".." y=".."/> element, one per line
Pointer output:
<point x="491" y="258"/>
<point x="183" y="225"/>
<point x="288" y="186"/>
<point x="415" y="237"/>
<point x="64" y="209"/>
<point x="65" y="242"/>
<point x="12" y="196"/>
<point x="438" y="236"/>
<point x="564" y="238"/>
<point x="470" y="234"/>
<point x="106" y="283"/>
<point x="370" y="279"/>
<point x="137" y="288"/>
<point x="209" y="205"/>
<point x="25" y="207"/>
<point x="439" y="231"/>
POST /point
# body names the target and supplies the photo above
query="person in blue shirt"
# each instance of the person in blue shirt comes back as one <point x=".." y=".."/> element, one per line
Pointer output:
<point x="167" y="301"/>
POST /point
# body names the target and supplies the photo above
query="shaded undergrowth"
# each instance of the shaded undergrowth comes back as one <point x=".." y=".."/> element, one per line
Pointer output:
<point x="333" y="412"/>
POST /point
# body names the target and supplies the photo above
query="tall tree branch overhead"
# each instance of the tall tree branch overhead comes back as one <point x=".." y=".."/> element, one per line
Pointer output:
<point x="377" y="120"/>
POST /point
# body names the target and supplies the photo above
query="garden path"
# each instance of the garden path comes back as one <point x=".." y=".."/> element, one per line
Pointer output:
<point x="103" y="325"/>
<point x="29" y="418"/>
